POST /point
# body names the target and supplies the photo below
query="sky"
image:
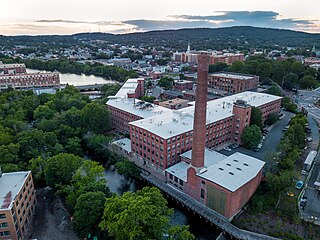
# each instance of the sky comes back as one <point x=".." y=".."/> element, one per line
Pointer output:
<point x="39" y="17"/>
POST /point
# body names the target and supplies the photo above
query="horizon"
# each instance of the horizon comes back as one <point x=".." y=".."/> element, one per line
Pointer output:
<point x="160" y="30"/>
<point x="59" y="17"/>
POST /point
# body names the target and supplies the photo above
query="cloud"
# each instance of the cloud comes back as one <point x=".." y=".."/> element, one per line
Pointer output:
<point x="269" y="19"/>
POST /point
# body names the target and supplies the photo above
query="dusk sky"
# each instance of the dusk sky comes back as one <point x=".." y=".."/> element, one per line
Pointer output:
<point x="71" y="16"/>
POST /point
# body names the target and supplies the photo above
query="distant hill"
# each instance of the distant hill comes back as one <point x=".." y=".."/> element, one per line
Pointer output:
<point x="200" y="38"/>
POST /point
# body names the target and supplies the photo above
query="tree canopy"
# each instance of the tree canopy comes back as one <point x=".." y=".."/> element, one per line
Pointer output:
<point x="256" y="117"/>
<point x="251" y="136"/>
<point x="139" y="215"/>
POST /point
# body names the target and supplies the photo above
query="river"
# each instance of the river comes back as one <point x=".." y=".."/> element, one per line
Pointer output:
<point x="201" y="229"/>
<point x="78" y="80"/>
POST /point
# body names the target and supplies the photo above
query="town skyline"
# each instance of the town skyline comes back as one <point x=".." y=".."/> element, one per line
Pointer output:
<point x="35" y="17"/>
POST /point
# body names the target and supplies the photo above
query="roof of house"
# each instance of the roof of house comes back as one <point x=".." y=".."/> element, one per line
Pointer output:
<point x="171" y="123"/>
<point x="233" y="75"/>
<point x="10" y="186"/>
<point x="124" y="143"/>
<point x="230" y="172"/>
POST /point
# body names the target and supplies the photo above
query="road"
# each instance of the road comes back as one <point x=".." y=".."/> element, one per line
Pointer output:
<point x="312" y="208"/>
<point x="270" y="143"/>
<point x="307" y="99"/>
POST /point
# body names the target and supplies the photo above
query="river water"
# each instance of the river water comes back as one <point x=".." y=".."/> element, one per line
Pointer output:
<point x="77" y="80"/>
<point x="197" y="226"/>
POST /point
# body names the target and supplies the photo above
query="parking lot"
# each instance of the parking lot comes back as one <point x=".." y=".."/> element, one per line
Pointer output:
<point x="270" y="143"/>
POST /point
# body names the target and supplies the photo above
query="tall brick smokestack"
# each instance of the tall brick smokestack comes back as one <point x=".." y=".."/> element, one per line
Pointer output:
<point x="199" y="122"/>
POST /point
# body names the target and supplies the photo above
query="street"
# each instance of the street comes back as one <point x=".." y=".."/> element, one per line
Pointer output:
<point x="270" y="143"/>
<point x="307" y="99"/>
<point x="311" y="211"/>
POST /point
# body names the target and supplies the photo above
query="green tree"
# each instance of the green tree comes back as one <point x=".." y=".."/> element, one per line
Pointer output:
<point x="88" y="213"/>
<point x="237" y="66"/>
<point x="87" y="178"/>
<point x="110" y="90"/>
<point x="272" y="118"/>
<point x="74" y="146"/>
<point x="137" y="215"/>
<point x="127" y="168"/>
<point x="166" y="82"/>
<point x="218" y="67"/>
<point x="290" y="81"/>
<point x="296" y="134"/>
<point x="9" y="167"/>
<point x="256" y="117"/>
<point x="37" y="167"/>
<point x="34" y="143"/>
<point x="43" y="112"/>
<point x="180" y="233"/>
<point x="148" y="98"/>
<point x="95" y="118"/>
<point x="264" y="70"/>
<point x="60" y="169"/>
<point x="274" y="90"/>
<point x="97" y="143"/>
<point x="9" y="153"/>
<point x="308" y="82"/>
<point x="251" y="136"/>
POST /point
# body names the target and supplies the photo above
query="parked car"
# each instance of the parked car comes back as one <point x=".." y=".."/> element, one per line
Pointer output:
<point x="255" y="149"/>
<point x="309" y="139"/>
<point x="299" y="185"/>
<point x="227" y="149"/>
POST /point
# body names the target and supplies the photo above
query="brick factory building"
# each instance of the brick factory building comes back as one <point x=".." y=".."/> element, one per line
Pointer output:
<point x="178" y="143"/>
<point x="222" y="183"/>
<point x="192" y="57"/>
<point x="14" y="68"/>
<point x="124" y="107"/>
<point x="159" y="135"/>
<point x="233" y="82"/>
<point x="29" y="80"/>
<point x="17" y="202"/>
<point x="227" y="58"/>
<point x="181" y="85"/>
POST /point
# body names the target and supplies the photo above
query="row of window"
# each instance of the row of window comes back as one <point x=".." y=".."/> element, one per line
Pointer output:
<point x="4" y="234"/>
<point x="4" y="225"/>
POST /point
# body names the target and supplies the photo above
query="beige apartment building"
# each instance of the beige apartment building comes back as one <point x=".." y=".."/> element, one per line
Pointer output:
<point x="17" y="204"/>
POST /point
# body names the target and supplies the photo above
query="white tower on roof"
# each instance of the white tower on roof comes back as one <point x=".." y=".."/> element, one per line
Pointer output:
<point x="188" y="49"/>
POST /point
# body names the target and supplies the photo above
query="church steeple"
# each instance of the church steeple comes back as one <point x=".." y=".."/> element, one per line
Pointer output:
<point x="188" y="49"/>
<point x="313" y="48"/>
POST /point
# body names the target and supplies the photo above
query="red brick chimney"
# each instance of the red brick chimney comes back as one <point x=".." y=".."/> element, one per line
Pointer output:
<point x="199" y="122"/>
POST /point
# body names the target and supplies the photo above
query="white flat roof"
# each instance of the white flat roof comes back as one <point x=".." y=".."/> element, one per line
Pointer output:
<point x="229" y="172"/>
<point x="179" y="170"/>
<point x="128" y="87"/>
<point x="10" y="65"/>
<point x="233" y="75"/>
<point x="130" y="105"/>
<point x="11" y="182"/>
<point x="124" y="143"/>
<point x="234" y="171"/>
<point x="170" y="123"/>
<point x="210" y="157"/>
